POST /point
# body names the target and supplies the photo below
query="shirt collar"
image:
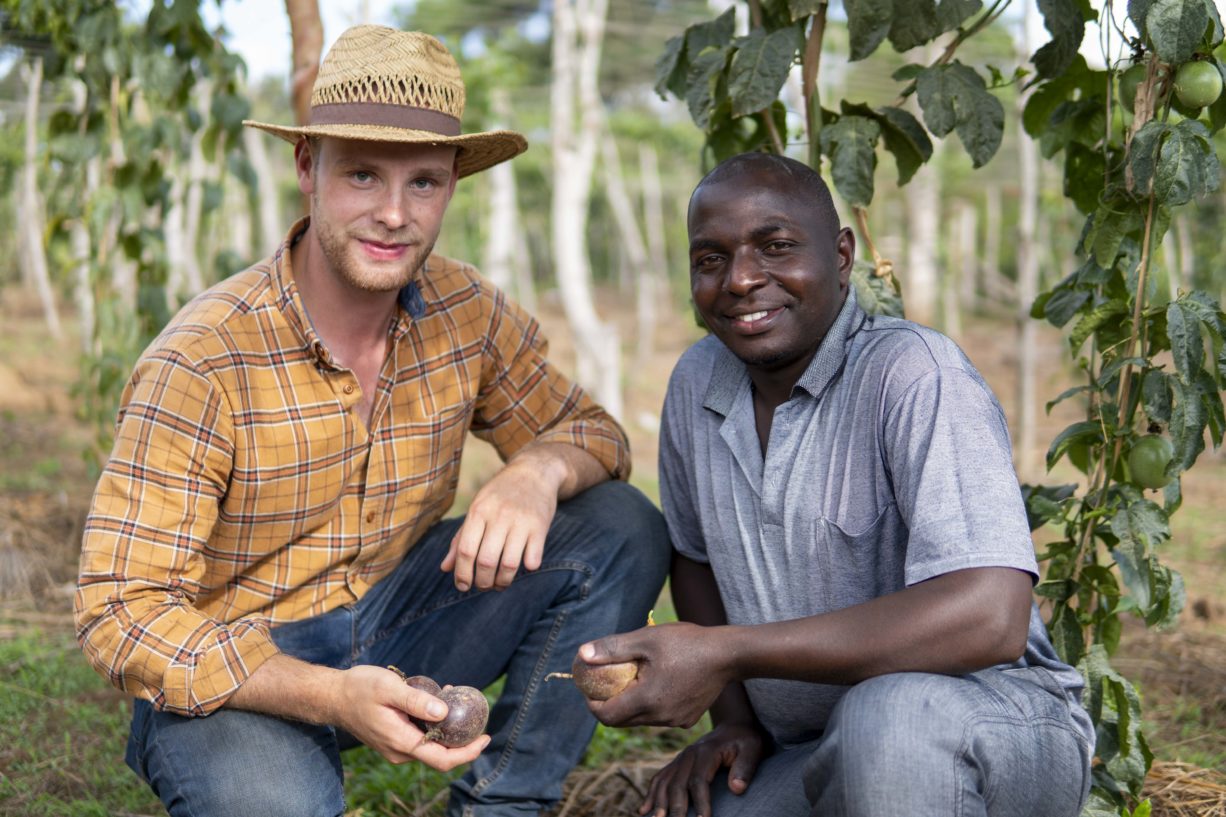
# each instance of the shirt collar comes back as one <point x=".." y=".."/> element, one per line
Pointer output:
<point x="289" y="299"/>
<point x="729" y="372"/>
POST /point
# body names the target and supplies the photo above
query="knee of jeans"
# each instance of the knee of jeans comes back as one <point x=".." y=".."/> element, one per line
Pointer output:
<point x="628" y="520"/>
<point x="894" y="716"/>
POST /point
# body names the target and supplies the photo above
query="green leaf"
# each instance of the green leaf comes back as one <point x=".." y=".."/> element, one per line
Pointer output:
<point x="759" y="68"/>
<point x="1046" y="502"/>
<point x="1049" y="95"/>
<point x="1138" y="12"/>
<point x="851" y="144"/>
<point x="908" y="72"/>
<point x="715" y="33"/>
<point x="1063" y="20"/>
<point x="1091" y="321"/>
<point x="1187" y="346"/>
<point x="704" y="73"/>
<point x="954" y="97"/>
<point x="1188" y="421"/>
<point x="1156" y="395"/>
<point x="1176" y="28"/>
<point x="868" y="22"/>
<point x="803" y="8"/>
<point x="1066" y="634"/>
<point x="1058" y="589"/>
<point x="1066" y="394"/>
<point x="915" y="23"/>
<point x="874" y="294"/>
<point x="953" y="13"/>
<point x="1084" y="169"/>
<point x="1084" y="432"/>
<point x="1185" y="166"/>
<point x="906" y="138"/>
<point x="670" y="67"/>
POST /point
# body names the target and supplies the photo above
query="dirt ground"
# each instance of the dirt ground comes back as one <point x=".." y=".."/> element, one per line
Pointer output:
<point x="45" y="488"/>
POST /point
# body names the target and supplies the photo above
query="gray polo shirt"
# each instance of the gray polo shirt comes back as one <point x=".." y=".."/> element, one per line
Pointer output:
<point x="889" y="465"/>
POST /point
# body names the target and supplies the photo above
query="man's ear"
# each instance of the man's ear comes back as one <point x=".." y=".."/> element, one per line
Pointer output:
<point x="304" y="164"/>
<point x="845" y="248"/>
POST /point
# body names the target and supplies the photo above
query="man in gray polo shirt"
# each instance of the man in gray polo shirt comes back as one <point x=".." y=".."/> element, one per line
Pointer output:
<point x="852" y="563"/>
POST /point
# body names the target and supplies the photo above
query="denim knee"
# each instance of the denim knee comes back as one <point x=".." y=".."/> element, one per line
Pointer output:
<point x="627" y="521"/>
<point x="234" y="763"/>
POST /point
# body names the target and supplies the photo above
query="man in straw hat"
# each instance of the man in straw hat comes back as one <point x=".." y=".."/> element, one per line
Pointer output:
<point x="266" y="538"/>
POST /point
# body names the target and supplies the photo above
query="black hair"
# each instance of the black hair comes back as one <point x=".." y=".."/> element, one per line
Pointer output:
<point x="806" y="183"/>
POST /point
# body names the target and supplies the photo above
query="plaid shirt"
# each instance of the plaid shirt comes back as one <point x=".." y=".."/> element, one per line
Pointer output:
<point x="244" y="490"/>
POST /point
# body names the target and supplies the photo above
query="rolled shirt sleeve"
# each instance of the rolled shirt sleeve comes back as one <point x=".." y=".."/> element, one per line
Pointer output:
<point x="143" y="551"/>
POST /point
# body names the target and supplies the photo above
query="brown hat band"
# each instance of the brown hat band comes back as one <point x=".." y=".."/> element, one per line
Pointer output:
<point x="392" y="116"/>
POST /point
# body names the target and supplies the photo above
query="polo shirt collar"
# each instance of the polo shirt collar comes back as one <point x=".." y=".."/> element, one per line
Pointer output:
<point x="729" y="372"/>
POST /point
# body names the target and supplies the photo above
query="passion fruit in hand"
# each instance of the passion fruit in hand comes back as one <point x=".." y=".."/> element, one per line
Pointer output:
<point x="467" y="714"/>
<point x="1148" y="459"/>
<point x="599" y="682"/>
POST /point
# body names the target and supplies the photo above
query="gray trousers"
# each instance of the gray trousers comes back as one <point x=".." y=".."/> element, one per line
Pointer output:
<point x="991" y="743"/>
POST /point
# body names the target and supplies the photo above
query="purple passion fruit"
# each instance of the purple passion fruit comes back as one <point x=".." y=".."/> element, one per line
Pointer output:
<point x="467" y="714"/>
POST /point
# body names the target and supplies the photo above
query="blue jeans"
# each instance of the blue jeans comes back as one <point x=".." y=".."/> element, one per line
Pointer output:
<point x="995" y="743"/>
<point x="604" y="564"/>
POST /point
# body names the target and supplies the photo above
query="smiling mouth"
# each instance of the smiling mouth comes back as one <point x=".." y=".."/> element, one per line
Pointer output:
<point x="755" y="321"/>
<point x="379" y="250"/>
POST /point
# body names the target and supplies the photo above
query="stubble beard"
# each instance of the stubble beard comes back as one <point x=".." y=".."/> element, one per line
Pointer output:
<point x="339" y="251"/>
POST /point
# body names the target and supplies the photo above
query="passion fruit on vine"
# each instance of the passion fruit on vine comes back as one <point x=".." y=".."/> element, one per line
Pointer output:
<point x="1148" y="459"/>
<point x="1198" y="84"/>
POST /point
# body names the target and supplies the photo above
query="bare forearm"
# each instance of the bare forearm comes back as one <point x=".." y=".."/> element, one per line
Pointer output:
<point x="569" y="468"/>
<point x="290" y="688"/>
<point x="956" y="623"/>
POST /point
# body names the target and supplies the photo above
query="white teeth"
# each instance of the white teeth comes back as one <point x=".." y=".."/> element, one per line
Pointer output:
<point x="751" y="317"/>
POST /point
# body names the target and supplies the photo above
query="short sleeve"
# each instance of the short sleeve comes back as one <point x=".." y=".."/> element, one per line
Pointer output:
<point x="676" y="464"/>
<point x="949" y="456"/>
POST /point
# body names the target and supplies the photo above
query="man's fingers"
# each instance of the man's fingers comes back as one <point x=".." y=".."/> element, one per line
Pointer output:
<point x="422" y="705"/>
<point x="489" y="555"/>
<point x="741" y="770"/>
<point x="439" y="757"/>
<point x="466" y="544"/>
<point x="534" y="553"/>
<point x="512" y="556"/>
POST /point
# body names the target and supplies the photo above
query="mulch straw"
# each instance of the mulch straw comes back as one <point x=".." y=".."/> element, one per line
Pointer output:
<point x="1183" y="790"/>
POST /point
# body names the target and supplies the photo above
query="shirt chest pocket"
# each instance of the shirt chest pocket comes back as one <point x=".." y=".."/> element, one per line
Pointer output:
<point x="858" y="557"/>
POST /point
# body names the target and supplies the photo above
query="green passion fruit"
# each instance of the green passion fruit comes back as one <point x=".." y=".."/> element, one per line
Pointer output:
<point x="1148" y="459"/>
<point x="1129" y="81"/>
<point x="1198" y="84"/>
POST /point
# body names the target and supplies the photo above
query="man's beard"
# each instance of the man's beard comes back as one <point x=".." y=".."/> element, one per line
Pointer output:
<point x="339" y="251"/>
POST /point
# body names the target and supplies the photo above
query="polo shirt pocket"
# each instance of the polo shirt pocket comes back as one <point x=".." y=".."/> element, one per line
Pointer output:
<point x="856" y="560"/>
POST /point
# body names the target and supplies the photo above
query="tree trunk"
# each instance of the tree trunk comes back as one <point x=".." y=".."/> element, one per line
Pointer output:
<point x="920" y="278"/>
<point x="307" y="34"/>
<point x="1027" y="273"/>
<point x="634" y="246"/>
<point x="993" y="281"/>
<point x="30" y="211"/>
<point x="498" y="264"/>
<point x="578" y="29"/>
<point x="657" y="249"/>
<point x="272" y="229"/>
<point x="968" y="256"/>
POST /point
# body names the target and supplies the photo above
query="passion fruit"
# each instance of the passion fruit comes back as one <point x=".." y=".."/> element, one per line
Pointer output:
<point x="467" y="714"/>
<point x="1148" y="460"/>
<point x="467" y="711"/>
<point x="599" y="682"/>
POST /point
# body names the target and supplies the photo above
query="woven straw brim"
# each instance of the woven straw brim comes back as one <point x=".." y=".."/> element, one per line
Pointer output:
<point x="477" y="151"/>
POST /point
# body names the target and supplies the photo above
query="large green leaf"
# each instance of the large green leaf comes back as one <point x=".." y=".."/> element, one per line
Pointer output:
<point x="874" y="294"/>
<point x="906" y="138"/>
<point x="715" y="33"/>
<point x="1176" y="28"/>
<point x="1188" y="421"/>
<point x="1156" y="395"/>
<point x="760" y="67"/>
<point x="868" y="23"/>
<point x="1063" y="20"/>
<point x="851" y="144"/>
<point x="670" y="67"/>
<point x="1104" y="313"/>
<point x="1076" y="81"/>
<point x="1187" y="346"/>
<point x="955" y="97"/>
<point x="1185" y="165"/>
<point x="953" y="13"/>
<point x="701" y="80"/>
<point x="1085" y="432"/>
<point x="915" y="23"/>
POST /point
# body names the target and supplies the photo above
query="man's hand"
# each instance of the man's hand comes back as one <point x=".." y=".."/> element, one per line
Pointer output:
<point x="681" y="673"/>
<point x="374" y="706"/>
<point x="507" y="522"/>
<point x="688" y="777"/>
<point x="505" y="527"/>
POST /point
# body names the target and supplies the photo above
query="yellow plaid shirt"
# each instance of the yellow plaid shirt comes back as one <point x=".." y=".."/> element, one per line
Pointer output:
<point x="244" y="490"/>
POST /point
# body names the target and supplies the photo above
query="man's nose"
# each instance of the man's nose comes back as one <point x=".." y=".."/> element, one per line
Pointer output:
<point x="393" y="210"/>
<point x="744" y="273"/>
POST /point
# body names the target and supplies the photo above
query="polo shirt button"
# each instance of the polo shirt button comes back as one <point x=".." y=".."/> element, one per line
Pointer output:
<point x="370" y="517"/>
<point x="348" y="388"/>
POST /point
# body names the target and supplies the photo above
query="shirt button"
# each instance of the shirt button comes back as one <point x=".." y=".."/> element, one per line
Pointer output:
<point x="348" y="388"/>
<point x="370" y="517"/>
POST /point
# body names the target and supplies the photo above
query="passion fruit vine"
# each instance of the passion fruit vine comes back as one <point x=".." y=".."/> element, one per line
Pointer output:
<point x="467" y="711"/>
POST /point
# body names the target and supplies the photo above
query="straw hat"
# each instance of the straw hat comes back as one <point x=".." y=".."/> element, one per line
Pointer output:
<point x="384" y="85"/>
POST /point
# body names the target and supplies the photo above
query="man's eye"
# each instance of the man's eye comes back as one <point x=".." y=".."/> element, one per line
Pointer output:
<point x="423" y="184"/>
<point x="706" y="261"/>
<point x="361" y="176"/>
<point x="778" y="246"/>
